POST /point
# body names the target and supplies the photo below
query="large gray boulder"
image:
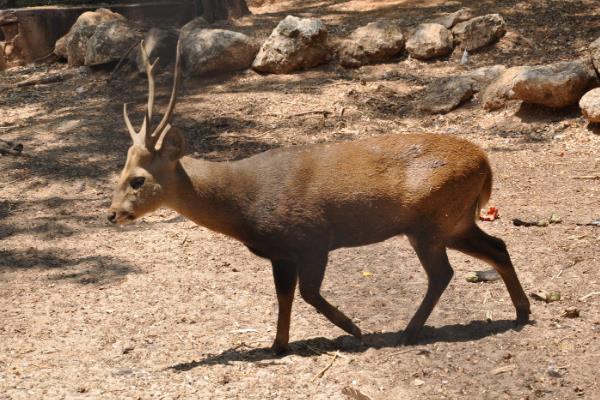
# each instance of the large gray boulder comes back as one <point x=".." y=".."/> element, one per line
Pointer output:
<point x="296" y="43"/>
<point x="496" y="94"/>
<point x="590" y="105"/>
<point x="450" y="19"/>
<point x="483" y="76"/>
<point x="479" y="31"/>
<point x="158" y="43"/>
<point x="77" y="45"/>
<point x="209" y="51"/>
<point x="110" y="42"/>
<point x="595" y="53"/>
<point x="446" y="94"/>
<point x="556" y="85"/>
<point x="81" y="31"/>
<point x="374" y="42"/>
<point x="429" y="41"/>
<point x="194" y="25"/>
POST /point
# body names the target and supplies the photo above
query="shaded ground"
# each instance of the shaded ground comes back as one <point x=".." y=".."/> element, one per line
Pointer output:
<point x="166" y="309"/>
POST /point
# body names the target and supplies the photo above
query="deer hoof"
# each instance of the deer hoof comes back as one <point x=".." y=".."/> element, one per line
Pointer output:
<point x="522" y="317"/>
<point x="280" y="348"/>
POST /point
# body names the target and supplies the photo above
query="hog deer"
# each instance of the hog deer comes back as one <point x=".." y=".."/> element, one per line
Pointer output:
<point x="294" y="205"/>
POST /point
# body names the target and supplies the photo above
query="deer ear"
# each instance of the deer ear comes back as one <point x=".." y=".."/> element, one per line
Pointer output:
<point x="172" y="146"/>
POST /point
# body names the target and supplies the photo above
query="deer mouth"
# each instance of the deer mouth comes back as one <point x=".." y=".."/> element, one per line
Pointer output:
<point x="121" y="218"/>
<point x="125" y="218"/>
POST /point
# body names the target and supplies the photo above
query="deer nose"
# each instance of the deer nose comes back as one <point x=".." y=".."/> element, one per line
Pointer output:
<point x="112" y="217"/>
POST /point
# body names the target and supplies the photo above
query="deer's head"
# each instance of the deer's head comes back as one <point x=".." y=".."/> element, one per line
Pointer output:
<point x="151" y="159"/>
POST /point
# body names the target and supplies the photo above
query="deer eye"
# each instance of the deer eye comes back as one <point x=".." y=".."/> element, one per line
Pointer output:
<point x="137" y="182"/>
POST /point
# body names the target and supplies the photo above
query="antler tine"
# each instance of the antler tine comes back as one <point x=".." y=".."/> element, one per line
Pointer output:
<point x="150" y="74"/>
<point x="160" y="129"/>
<point x="132" y="131"/>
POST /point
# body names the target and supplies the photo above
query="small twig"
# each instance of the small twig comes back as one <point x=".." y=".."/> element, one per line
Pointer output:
<point x="325" y="113"/>
<point x="114" y="71"/>
<point x="43" y="58"/>
<point x="8" y="127"/>
<point x="322" y="372"/>
<point x="557" y="275"/>
<point x="592" y="177"/>
<point x="587" y="296"/>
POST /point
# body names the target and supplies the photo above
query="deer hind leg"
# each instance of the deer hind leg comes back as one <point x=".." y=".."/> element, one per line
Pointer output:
<point x="439" y="273"/>
<point x="477" y="243"/>
<point x="286" y="276"/>
<point x="310" y="275"/>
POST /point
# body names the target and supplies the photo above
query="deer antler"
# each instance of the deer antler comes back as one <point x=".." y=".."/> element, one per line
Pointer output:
<point x="163" y="127"/>
<point x="144" y="137"/>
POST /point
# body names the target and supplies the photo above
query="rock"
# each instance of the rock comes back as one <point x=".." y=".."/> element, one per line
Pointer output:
<point x="194" y="25"/>
<point x="296" y="43"/>
<point x="500" y="90"/>
<point x="60" y="47"/>
<point x="110" y="42"/>
<point x="206" y="51"/>
<point x="429" y="41"/>
<point x="595" y="53"/>
<point x="488" y="275"/>
<point x="556" y="85"/>
<point x="571" y="312"/>
<point x="548" y="297"/>
<point x="159" y="43"/>
<point x="513" y="41"/>
<point x="445" y="94"/>
<point x="451" y="19"/>
<point x="590" y="105"/>
<point x="374" y="42"/>
<point x="553" y="371"/>
<point x="479" y="31"/>
<point x="483" y="76"/>
<point x="77" y="45"/>
<point x="86" y="21"/>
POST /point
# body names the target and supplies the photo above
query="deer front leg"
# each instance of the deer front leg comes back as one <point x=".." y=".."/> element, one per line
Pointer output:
<point x="310" y="275"/>
<point x="285" y="275"/>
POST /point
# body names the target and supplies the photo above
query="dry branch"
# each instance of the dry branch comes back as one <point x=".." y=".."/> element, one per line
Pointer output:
<point x="322" y="372"/>
<point x="587" y="296"/>
<point x="114" y="71"/>
<point x="50" y="78"/>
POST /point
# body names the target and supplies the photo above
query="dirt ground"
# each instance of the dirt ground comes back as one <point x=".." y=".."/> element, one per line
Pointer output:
<point x="166" y="309"/>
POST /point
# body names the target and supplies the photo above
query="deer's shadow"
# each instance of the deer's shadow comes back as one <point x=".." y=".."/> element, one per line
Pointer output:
<point x="475" y="330"/>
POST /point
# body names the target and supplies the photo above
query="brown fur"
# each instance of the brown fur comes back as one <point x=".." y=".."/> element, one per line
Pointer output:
<point x="294" y="205"/>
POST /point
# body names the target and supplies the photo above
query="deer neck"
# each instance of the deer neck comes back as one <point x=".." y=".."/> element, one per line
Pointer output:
<point x="206" y="193"/>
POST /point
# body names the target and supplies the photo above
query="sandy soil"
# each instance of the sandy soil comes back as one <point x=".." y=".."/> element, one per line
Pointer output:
<point x="167" y="309"/>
